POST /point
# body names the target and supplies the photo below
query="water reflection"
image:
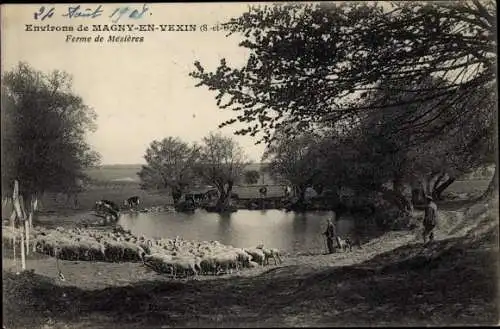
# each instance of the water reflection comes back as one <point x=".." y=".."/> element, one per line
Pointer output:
<point x="288" y="231"/>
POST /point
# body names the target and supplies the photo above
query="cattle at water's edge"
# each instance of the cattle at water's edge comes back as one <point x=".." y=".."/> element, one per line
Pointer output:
<point x="132" y="202"/>
<point x="106" y="208"/>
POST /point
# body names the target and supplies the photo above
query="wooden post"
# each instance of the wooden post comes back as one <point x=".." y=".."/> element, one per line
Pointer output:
<point x="30" y="219"/>
<point x="19" y="212"/>
<point x="25" y="224"/>
<point x="32" y="210"/>
<point x="23" y="207"/>
<point x="27" y="231"/>
<point x="13" y="225"/>
<point x="23" y="257"/>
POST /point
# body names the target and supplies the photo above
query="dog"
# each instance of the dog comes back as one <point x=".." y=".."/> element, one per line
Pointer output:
<point x="344" y="244"/>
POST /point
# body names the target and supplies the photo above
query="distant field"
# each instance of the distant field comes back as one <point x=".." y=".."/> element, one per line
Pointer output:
<point x="129" y="172"/>
<point x="112" y="172"/>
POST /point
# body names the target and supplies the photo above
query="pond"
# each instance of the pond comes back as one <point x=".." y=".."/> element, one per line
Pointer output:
<point x="288" y="231"/>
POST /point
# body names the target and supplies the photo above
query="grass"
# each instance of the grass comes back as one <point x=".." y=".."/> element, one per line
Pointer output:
<point x="117" y="193"/>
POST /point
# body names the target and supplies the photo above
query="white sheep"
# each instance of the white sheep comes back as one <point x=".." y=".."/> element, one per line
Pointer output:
<point x="185" y="265"/>
<point x="132" y="252"/>
<point x="257" y="255"/>
<point x="114" y="250"/>
<point x="88" y="249"/>
<point x="226" y="261"/>
<point x="69" y="249"/>
<point x="158" y="262"/>
<point x="270" y="253"/>
<point x="208" y="264"/>
<point x="243" y="257"/>
<point x="252" y="264"/>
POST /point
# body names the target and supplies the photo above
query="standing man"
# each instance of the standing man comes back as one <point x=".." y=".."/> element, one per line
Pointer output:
<point x="430" y="218"/>
<point x="330" y="233"/>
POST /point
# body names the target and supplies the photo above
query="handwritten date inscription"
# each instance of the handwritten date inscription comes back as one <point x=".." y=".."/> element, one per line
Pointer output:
<point x="77" y="11"/>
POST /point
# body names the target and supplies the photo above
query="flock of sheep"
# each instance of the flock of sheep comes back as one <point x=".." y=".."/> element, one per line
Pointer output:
<point x="177" y="257"/>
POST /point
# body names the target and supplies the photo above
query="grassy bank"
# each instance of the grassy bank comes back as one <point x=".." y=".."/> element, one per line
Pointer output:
<point x="116" y="192"/>
<point x="392" y="280"/>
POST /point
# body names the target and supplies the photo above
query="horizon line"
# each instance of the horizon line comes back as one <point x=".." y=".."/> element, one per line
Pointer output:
<point x="142" y="164"/>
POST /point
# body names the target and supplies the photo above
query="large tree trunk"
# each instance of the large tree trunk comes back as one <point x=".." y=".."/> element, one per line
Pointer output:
<point x="417" y="196"/>
<point x="405" y="204"/>
<point x="417" y="192"/>
<point x="439" y="189"/>
<point x="398" y="199"/>
<point x="176" y="195"/>
<point x="431" y="182"/>
<point x="492" y="189"/>
<point x="439" y="179"/>
<point x="34" y="205"/>
<point x="224" y="197"/>
<point x="300" y="204"/>
<point x="318" y="188"/>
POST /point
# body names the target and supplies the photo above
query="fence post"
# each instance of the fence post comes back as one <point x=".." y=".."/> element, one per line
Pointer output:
<point x="13" y="225"/>
<point x="17" y="199"/>
<point x="23" y="257"/>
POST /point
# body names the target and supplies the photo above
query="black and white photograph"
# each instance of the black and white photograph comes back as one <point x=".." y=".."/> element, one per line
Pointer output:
<point x="249" y="164"/>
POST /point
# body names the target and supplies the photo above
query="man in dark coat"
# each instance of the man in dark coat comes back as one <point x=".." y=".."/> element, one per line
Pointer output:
<point x="330" y="233"/>
<point x="430" y="218"/>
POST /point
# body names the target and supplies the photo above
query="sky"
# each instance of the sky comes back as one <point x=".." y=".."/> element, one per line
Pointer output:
<point x="140" y="91"/>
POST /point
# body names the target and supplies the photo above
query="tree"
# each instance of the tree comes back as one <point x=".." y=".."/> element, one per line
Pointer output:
<point x="372" y="155"/>
<point x="452" y="141"/>
<point x="221" y="162"/>
<point x="71" y="188"/>
<point x="251" y="177"/>
<point x="44" y="124"/>
<point x="315" y="63"/>
<point x="170" y="164"/>
<point x="457" y="140"/>
<point x="304" y="58"/>
<point x="289" y="158"/>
